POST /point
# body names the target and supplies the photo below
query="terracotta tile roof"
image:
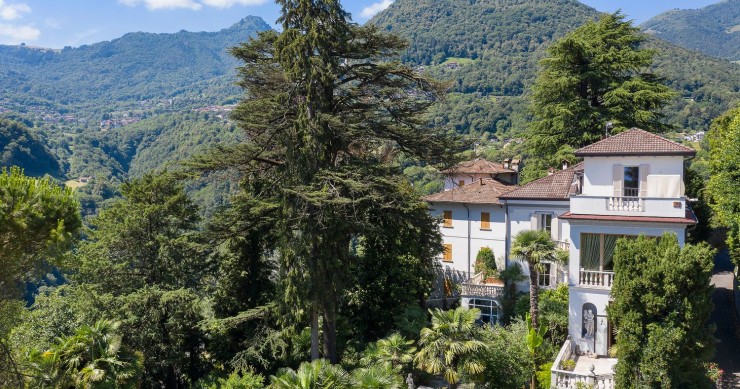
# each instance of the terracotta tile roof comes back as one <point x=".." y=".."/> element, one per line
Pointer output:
<point x="485" y="191"/>
<point x="690" y="218"/>
<point x="558" y="186"/>
<point x="634" y="142"/>
<point x="478" y="166"/>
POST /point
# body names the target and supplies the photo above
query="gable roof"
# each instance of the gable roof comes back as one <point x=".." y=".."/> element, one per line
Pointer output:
<point x="478" y="166"/>
<point x="634" y="142"/>
<point x="557" y="186"/>
<point x="486" y="191"/>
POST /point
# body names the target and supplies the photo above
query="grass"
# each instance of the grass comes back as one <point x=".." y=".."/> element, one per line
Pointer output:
<point x="74" y="184"/>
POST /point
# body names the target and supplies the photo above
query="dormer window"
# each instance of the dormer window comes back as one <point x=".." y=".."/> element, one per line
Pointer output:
<point x="631" y="181"/>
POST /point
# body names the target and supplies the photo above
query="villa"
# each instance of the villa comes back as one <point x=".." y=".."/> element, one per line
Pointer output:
<point x="627" y="185"/>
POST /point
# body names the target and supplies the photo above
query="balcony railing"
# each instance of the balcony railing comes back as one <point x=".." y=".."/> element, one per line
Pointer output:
<point x="563" y="245"/>
<point x="475" y="287"/>
<point x="628" y="206"/>
<point x="595" y="278"/>
<point x="563" y="379"/>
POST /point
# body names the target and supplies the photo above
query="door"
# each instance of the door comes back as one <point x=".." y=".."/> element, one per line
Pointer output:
<point x="602" y="335"/>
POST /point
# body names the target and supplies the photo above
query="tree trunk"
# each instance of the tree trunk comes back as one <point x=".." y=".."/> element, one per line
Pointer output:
<point x="330" y="336"/>
<point x="534" y="296"/>
<point x="314" y="332"/>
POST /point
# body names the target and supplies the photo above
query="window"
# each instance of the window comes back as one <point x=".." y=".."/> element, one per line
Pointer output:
<point x="461" y="183"/>
<point x="447" y="254"/>
<point x="485" y="221"/>
<point x="597" y="251"/>
<point x="447" y="219"/>
<point x="631" y="181"/>
<point x="545" y="276"/>
<point x="489" y="310"/>
<point x="545" y="222"/>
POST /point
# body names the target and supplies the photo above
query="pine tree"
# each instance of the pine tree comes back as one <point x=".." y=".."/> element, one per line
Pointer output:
<point x="593" y="76"/>
<point x="326" y="113"/>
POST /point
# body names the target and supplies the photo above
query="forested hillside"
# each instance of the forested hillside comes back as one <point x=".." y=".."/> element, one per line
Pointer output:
<point x="491" y="63"/>
<point x="713" y="30"/>
<point x="138" y="66"/>
<point x="20" y="147"/>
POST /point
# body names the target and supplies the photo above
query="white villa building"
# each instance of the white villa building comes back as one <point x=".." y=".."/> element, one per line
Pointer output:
<point x="627" y="185"/>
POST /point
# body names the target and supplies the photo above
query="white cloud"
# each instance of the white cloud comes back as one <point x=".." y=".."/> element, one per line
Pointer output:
<point x="374" y="8"/>
<point x="13" y="11"/>
<point x="163" y="4"/>
<point x="14" y="34"/>
<point x="231" y="3"/>
<point x="189" y="4"/>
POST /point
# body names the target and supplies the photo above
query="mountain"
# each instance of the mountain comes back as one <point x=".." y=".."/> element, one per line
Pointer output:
<point x="492" y="62"/>
<point x="713" y="30"/>
<point x="20" y="147"/>
<point x="138" y="66"/>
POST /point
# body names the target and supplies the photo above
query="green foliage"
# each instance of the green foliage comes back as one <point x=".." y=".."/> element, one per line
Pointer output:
<point x="451" y="346"/>
<point x="711" y="30"/>
<point x="594" y="75"/>
<point x="320" y="145"/>
<point x="235" y="380"/>
<point x="94" y="357"/>
<point x="157" y="215"/>
<point x="544" y="375"/>
<point x="485" y="262"/>
<point x="321" y="374"/>
<point x="394" y="351"/>
<point x="506" y="358"/>
<point x="662" y="302"/>
<point x="533" y="247"/>
<point x="21" y="147"/>
<point x="724" y="183"/>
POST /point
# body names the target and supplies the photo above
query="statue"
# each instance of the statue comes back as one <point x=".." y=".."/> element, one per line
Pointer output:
<point x="589" y="323"/>
<point x="410" y="381"/>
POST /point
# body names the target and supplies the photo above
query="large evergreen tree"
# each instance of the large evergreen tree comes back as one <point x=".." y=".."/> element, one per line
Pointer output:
<point x="723" y="188"/>
<point x="662" y="302"/>
<point x="325" y="113"/>
<point x="595" y="75"/>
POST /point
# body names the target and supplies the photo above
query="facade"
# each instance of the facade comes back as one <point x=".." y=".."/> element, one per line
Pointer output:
<point x="629" y="184"/>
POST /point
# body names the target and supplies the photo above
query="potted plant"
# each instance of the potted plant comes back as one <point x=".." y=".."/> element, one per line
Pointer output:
<point x="485" y="264"/>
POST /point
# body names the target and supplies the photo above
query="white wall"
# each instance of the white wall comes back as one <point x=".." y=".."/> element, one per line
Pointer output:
<point x="457" y="235"/>
<point x="598" y="171"/>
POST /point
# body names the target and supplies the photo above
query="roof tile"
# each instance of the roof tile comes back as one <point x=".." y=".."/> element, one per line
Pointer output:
<point x="634" y="142"/>
<point x="558" y="186"/>
<point x="486" y="191"/>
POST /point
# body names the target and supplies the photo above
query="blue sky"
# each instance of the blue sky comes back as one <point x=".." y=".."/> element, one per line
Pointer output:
<point x="59" y="23"/>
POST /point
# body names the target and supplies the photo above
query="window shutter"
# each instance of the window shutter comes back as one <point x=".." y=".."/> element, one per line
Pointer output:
<point x="618" y="177"/>
<point x="555" y="227"/>
<point x="485" y="220"/>
<point x="447" y="219"/>
<point x="535" y="220"/>
<point x="644" y="173"/>
<point x="447" y="253"/>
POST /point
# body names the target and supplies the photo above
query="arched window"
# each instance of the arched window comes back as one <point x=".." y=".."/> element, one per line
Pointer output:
<point x="490" y="310"/>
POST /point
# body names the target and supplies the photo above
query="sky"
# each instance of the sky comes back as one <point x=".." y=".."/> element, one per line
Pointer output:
<point x="60" y="23"/>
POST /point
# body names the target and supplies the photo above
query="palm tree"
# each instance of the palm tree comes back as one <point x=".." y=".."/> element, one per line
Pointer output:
<point x="376" y="377"/>
<point x="395" y="351"/>
<point x="91" y="358"/>
<point x="312" y="375"/>
<point x="534" y="247"/>
<point x="450" y="347"/>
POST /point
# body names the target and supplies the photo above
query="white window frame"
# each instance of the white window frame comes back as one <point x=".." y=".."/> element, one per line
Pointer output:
<point x="495" y="308"/>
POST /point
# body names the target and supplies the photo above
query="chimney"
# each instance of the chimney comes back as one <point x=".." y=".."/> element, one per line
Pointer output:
<point x="551" y="171"/>
<point x="507" y="163"/>
<point x="565" y="165"/>
<point x="481" y="181"/>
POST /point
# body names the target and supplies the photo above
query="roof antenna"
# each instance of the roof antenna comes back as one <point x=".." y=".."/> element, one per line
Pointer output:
<point x="608" y="127"/>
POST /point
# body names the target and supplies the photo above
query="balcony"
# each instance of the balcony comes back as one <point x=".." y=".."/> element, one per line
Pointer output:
<point x="588" y="372"/>
<point x="628" y="206"/>
<point x="475" y="287"/>
<point x="595" y="279"/>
